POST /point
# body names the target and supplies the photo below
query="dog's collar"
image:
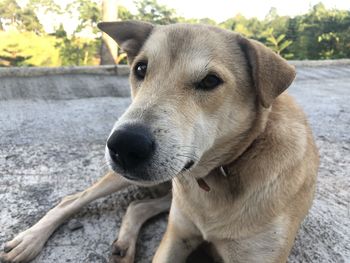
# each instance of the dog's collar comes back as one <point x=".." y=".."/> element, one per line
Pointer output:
<point x="222" y="169"/>
<point x="202" y="184"/>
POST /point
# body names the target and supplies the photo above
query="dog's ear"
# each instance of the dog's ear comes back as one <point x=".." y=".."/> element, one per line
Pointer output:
<point x="271" y="73"/>
<point x="130" y="35"/>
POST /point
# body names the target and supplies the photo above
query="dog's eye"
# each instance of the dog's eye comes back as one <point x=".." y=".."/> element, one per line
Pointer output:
<point x="140" y="70"/>
<point x="209" y="82"/>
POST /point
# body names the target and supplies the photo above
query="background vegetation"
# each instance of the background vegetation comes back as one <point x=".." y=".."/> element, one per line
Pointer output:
<point x="320" y="34"/>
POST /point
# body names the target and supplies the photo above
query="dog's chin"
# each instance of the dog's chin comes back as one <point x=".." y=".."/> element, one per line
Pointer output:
<point x="144" y="183"/>
<point x="139" y="180"/>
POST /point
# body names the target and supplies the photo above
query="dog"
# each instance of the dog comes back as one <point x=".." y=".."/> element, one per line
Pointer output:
<point x="209" y="113"/>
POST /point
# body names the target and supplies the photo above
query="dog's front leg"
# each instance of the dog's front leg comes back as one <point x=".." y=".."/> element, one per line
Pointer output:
<point x="138" y="213"/>
<point x="180" y="239"/>
<point x="27" y="245"/>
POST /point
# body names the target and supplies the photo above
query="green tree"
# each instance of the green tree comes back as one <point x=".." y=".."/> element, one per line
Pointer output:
<point x="278" y="44"/>
<point x="276" y="22"/>
<point x="47" y="6"/>
<point x="89" y="14"/>
<point x="30" y="22"/>
<point x="24" y="19"/>
<point x="152" y="11"/>
<point x="10" y="13"/>
<point x="321" y="33"/>
<point x="207" y="21"/>
<point x="12" y="56"/>
<point x="124" y="13"/>
<point x="251" y="28"/>
<point x="75" y="51"/>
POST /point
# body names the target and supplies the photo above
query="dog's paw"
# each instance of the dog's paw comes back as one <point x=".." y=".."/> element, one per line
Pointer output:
<point x="23" y="248"/>
<point x="122" y="252"/>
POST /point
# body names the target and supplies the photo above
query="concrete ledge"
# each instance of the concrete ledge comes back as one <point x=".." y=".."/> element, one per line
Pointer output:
<point x="320" y="63"/>
<point x="104" y="81"/>
<point x="118" y="70"/>
<point x="64" y="82"/>
<point x="123" y="70"/>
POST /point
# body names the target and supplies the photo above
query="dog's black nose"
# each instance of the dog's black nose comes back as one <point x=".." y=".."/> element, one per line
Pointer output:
<point x="131" y="145"/>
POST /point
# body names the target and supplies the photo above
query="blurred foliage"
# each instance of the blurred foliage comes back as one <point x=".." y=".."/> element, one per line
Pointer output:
<point x="23" y="19"/>
<point x="319" y="34"/>
<point x="151" y="11"/>
<point x="89" y="14"/>
<point x="47" y="6"/>
<point x="124" y="13"/>
<point x="12" y="56"/>
<point x="27" y="49"/>
<point x="278" y="44"/>
<point x="23" y="48"/>
<point x="75" y="50"/>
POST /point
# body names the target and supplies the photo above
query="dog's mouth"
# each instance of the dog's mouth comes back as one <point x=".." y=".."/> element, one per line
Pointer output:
<point x="201" y="183"/>
<point x="152" y="170"/>
<point x="188" y="166"/>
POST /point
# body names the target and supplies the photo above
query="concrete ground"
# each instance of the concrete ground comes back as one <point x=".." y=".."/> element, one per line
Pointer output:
<point x="53" y="145"/>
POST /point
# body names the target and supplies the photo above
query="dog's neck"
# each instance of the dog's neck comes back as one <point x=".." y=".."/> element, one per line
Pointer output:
<point x="257" y="129"/>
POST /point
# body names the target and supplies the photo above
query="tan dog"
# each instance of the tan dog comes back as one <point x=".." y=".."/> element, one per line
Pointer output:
<point x="208" y="112"/>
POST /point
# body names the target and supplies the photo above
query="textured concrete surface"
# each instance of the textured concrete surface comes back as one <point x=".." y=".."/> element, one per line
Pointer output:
<point x="52" y="145"/>
<point x="119" y="70"/>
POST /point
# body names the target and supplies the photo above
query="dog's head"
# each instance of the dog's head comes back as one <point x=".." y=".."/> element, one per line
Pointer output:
<point x="196" y="92"/>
